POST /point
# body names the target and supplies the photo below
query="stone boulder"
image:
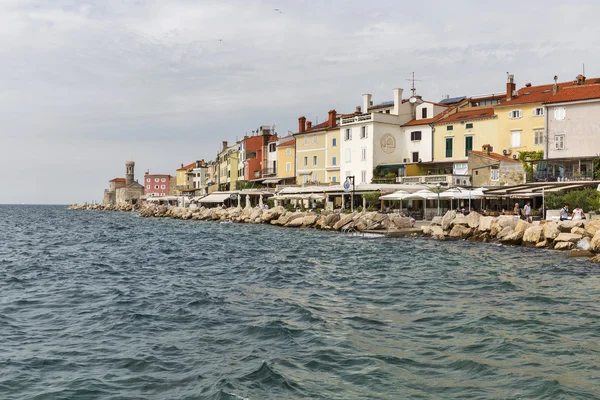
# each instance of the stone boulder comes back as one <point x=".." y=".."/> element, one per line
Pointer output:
<point x="542" y="244"/>
<point x="522" y="226"/>
<point x="506" y="231"/>
<point x="447" y="219"/>
<point x="436" y="221"/>
<point x="272" y="213"/>
<point x="514" y="238"/>
<point x="533" y="235"/>
<point x="485" y="224"/>
<point x="309" y="220"/>
<point x="595" y="243"/>
<point x="473" y="219"/>
<point x="581" y="231"/>
<point x="330" y="220"/>
<point x="460" y="232"/>
<point x="502" y="222"/>
<point x="460" y="219"/>
<point x="566" y="226"/>
<point x="551" y="230"/>
<point x="563" y="246"/>
<point x="400" y="222"/>
<point x="592" y="227"/>
<point x="345" y="220"/>
<point x="568" y="237"/>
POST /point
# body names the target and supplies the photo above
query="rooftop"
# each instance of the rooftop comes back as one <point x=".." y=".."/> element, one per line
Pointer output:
<point x="544" y="93"/>
<point x="577" y="92"/>
<point x="192" y="165"/>
<point x="469" y="115"/>
<point x="424" y="121"/>
<point x="495" y="156"/>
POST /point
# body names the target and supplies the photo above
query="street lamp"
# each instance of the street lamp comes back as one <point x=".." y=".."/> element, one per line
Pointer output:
<point x="438" y="186"/>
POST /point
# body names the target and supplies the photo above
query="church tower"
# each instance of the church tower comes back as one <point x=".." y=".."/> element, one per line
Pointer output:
<point x="129" y="167"/>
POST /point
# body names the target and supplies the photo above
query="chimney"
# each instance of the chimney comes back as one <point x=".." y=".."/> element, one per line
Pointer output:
<point x="528" y="84"/>
<point x="308" y="125"/>
<point x="510" y="87"/>
<point x="366" y="102"/>
<point x="224" y="147"/>
<point x="555" y="87"/>
<point x="332" y="117"/>
<point x="445" y="96"/>
<point x="357" y="111"/>
<point x="182" y="163"/>
<point x="301" y="124"/>
<point x="487" y="149"/>
<point x="580" y="80"/>
<point x="397" y="101"/>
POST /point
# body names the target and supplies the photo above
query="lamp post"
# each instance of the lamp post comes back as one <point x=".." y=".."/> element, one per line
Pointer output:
<point x="350" y="180"/>
<point x="438" y="186"/>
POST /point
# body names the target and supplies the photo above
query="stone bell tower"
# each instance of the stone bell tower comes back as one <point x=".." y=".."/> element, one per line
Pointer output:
<point x="129" y="167"/>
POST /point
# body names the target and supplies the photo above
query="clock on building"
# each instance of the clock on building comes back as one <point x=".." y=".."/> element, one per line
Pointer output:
<point x="388" y="143"/>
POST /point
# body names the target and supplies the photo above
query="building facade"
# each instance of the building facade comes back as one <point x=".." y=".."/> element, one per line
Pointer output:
<point x="286" y="158"/>
<point x="159" y="184"/>
<point x="228" y="160"/>
<point x="487" y="168"/>
<point x="124" y="190"/>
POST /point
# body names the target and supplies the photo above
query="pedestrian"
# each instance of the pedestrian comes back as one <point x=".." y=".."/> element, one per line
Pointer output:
<point x="527" y="212"/>
<point x="517" y="210"/>
<point x="564" y="213"/>
<point x="577" y="213"/>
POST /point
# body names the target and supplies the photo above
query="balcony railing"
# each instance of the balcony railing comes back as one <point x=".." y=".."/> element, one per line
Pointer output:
<point x="357" y="118"/>
<point x="451" y="180"/>
<point x="269" y="171"/>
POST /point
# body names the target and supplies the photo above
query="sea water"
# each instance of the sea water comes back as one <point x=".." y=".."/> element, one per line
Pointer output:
<point x="108" y="305"/>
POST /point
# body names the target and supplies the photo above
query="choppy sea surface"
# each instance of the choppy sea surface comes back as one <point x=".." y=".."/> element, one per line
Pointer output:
<point x="108" y="305"/>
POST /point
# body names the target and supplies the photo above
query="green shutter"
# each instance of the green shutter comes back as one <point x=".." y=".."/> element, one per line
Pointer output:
<point x="468" y="145"/>
<point x="449" y="127"/>
<point x="470" y="126"/>
<point x="448" y="147"/>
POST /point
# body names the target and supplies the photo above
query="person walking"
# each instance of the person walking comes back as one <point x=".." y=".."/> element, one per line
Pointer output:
<point x="564" y="213"/>
<point x="527" y="212"/>
<point x="517" y="210"/>
<point x="577" y="214"/>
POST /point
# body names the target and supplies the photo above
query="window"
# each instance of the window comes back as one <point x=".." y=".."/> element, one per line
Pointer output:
<point x="515" y="139"/>
<point x="306" y="178"/>
<point x="288" y="167"/>
<point x="305" y="161"/>
<point x="415" y="156"/>
<point x="495" y="175"/>
<point x="348" y="134"/>
<point x="334" y="142"/>
<point x="387" y="111"/>
<point x="347" y="155"/>
<point x="559" y="113"/>
<point x="559" y="142"/>
<point x="449" y="147"/>
<point x="305" y="139"/>
<point x="424" y="112"/>
<point x="271" y="147"/>
<point x="163" y="187"/>
<point x="314" y="160"/>
<point x="155" y="186"/>
<point x="538" y="137"/>
<point x="364" y="132"/>
<point x="148" y="186"/>
<point x="538" y="112"/>
<point x="333" y="160"/>
<point x="288" y="152"/>
<point x="468" y="145"/>
<point x="315" y="140"/>
<point x="514" y="114"/>
<point x="469" y="125"/>
<point x="156" y="180"/>
<point x="363" y="154"/>
<point x="348" y="173"/>
<point x="363" y="176"/>
<point x="315" y="178"/>
<point x="148" y="180"/>
<point x="450" y="128"/>
<point x="333" y="179"/>
<point x="415" y="136"/>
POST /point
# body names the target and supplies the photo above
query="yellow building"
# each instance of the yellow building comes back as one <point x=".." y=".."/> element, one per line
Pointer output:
<point x="228" y="171"/>
<point x="286" y="159"/>
<point x="455" y="135"/>
<point x="318" y="151"/>
<point x="522" y="118"/>
<point x="183" y="179"/>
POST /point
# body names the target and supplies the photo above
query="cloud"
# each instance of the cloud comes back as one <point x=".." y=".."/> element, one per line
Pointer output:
<point x="98" y="82"/>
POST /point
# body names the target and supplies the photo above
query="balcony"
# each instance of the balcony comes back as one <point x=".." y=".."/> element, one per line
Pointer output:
<point x="269" y="172"/>
<point x="450" y="180"/>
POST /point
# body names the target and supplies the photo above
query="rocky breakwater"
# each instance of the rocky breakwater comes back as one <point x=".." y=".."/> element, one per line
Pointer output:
<point x="108" y="207"/>
<point x="279" y="216"/>
<point x="582" y="238"/>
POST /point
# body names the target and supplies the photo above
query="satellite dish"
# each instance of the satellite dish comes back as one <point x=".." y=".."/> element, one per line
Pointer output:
<point x="412" y="100"/>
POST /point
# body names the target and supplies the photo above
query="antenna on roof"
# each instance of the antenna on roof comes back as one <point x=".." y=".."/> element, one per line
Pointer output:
<point x="413" y="80"/>
<point x="583" y="73"/>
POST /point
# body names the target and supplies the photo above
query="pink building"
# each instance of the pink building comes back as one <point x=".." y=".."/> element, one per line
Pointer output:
<point x="157" y="184"/>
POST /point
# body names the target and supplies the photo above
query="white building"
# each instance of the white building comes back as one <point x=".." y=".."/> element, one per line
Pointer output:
<point x="200" y="176"/>
<point x="372" y="139"/>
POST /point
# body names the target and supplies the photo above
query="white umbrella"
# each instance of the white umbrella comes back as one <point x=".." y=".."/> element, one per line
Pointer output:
<point x="397" y="195"/>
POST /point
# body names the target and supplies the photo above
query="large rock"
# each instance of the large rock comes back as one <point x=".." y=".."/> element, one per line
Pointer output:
<point x="566" y="226"/>
<point x="568" y="237"/>
<point x="506" y="231"/>
<point x="436" y="221"/>
<point x="460" y="219"/>
<point x="309" y="220"/>
<point x="287" y="217"/>
<point x="542" y="244"/>
<point x="460" y="232"/>
<point x="447" y="219"/>
<point x="272" y="213"/>
<point x="330" y="220"/>
<point x="514" y="238"/>
<point x="485" y="224"/>
<point x="533" y="235"/>
<point x="345" y="220"/>
<point x="473" y="219"/>
<point x="522" y="226"/>
<point x="592" y="227"/>
<point x="595" y="243"/>
<point x="563" y="246"/>
<point x="581" y="231"/>
<point x="551" y="230"/>
<point x="400" y="222"/>
<point x="502" y="222"/>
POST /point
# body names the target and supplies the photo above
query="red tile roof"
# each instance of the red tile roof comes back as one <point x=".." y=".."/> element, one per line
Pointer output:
<point x="470" y="114"/>
<point x="424" y="121"/>
<point x="541" y="94"/>
<point x="192" y="165"/>
<point x="576" y="92"/>
<point x="117" y="180"/>
<point x="286" y="141"/>
<point x="318" y="127"/>
<point x="495" y="156"/>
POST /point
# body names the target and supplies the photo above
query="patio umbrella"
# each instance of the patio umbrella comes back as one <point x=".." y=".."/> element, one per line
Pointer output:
<point x="397" y="195"/>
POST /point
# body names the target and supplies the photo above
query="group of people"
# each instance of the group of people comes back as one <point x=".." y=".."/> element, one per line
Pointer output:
<point x="524" y="212"/>
<point x="575" y="215"/>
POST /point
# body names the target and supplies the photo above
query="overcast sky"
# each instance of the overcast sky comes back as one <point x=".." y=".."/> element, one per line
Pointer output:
<point x="86" y="85"/>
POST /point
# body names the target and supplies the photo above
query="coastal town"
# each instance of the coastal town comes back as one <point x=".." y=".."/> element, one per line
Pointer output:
<point x="421" y="156"/>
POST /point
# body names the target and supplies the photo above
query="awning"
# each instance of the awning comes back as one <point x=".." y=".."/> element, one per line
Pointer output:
<point x="215" y="198"/>
<point x="272" y="180"/>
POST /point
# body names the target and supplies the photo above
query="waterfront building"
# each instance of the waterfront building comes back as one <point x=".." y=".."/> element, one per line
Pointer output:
<point x="286" y="158"/>
<point x="199" y="175"/>
<point x="159" y="184"/>
<point x="228" y="160"/>
<point x="124" y="190"/>
<point x="212" y="179"/>
<point x="370" y="138"/>
<point x="258" y="155"/>
<point x="184" y="178"/>
<point x="487" y="168"/>
<point x="317" y="151"/>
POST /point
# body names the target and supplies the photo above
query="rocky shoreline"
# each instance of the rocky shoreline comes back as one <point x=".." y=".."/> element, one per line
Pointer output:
<point x="581" y="238"/>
